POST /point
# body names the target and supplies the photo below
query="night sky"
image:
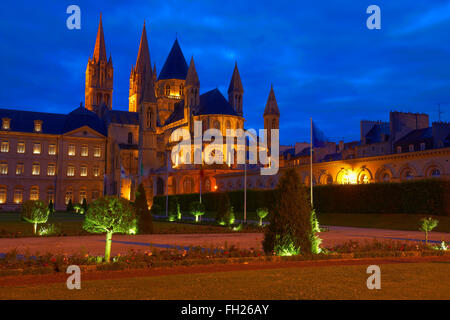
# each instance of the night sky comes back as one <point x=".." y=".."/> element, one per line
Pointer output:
<point x="322" y="60"/>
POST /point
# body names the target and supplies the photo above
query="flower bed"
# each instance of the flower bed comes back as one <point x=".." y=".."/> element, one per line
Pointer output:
<point x="14" y="264"/>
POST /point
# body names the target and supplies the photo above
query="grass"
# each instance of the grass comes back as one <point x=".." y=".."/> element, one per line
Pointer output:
<point x="72" y="225"/>
<point x="398" y="281"/>
<point x="409" y="222"/>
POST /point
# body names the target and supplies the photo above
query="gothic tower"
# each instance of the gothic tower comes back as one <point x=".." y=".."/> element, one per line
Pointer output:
<point x="236" y="91"/>
<point x="191" y="90"/>
<point x="271" y="115"/>
<point x="99" y="76"/>
<point x="143" y="66"/>
<point x="143" y="100"/>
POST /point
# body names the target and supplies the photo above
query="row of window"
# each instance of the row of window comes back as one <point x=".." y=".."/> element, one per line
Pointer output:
<point x="37" y="149"/>
<point x="6" y="125"/>
<point x="411" y="147"/>
<point x="51" y="169"/>
<point x="18" y="194"/>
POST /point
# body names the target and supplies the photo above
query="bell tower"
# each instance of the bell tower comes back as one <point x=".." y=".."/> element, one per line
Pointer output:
<point x="99" y="76"/>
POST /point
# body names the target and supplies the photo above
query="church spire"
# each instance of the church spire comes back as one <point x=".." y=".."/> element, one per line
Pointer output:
<point x="143" y="63"/>
<point x="271" y="104"/>
<point x="235" y="83"/>
<point x="192" y="77"/>
<point x="236" y="92"/>
<point x="100" y="50"/>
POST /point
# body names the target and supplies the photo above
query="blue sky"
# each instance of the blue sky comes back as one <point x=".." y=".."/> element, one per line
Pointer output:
<point x="322" y="60"/>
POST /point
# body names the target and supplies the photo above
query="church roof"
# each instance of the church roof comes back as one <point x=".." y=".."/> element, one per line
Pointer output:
<point x="417" y="135"/>
<point x="175" y="66"/>
<point x="122" y="117"/>
<point x="53" y="123"/>
<point x="213" y="102"/>
<point x="177" y="114"/>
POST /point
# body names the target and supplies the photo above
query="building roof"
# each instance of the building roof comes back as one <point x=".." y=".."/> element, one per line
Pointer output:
<point x="177" y="114"/>
<point x="417" y="135"/>
<point x="175" y="66"/>
<point x="53" y="123"/>
<point x="378" y="133"/>
<point x="122" y="117"/>
<point x="83" y="117"/>
<point x="213" y="102"/>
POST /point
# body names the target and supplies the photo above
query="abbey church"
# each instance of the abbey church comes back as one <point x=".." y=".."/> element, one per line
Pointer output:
<point x="98" y="149"/>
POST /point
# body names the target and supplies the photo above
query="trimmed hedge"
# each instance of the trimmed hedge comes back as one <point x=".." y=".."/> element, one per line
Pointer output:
<point x="427" y="196"/>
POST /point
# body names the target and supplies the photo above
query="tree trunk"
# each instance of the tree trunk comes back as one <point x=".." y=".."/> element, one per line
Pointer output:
<point x="426" y="237"/>
<point x="35" y="228"/>
<point x="108" y="246"/>
<point x="260" y="221"/>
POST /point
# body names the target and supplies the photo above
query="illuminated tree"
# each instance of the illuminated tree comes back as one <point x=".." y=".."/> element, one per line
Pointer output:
<point x="197" y="209"/>
<point x="223" y="207"/>
<point x="290" y="228"/>
<point x="110" y="214"/>
<point x="262" y="213"/>
<point x="143" y="216"/>
<point x="428" y="224"/>
<point x="35" y="211"/>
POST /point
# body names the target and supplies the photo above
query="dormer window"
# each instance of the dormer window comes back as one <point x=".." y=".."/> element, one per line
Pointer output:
<point x="6" y="123"/>
<point x="37" y="126"/>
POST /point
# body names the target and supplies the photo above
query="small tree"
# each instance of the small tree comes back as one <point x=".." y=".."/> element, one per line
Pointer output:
<point x="262" y="213"/>
<point x="223" y="207"/>
<point x="111" y="215"/>
<point x="51" y="208"/>
<point x="35" y="211"/>
<point x="428" y="224"/>
<point x="174" y="209"/>
<point x="84" y="204"/>
<point x="289" y="231"/>
<point x="197" y="209"/>
<point x="143" y="216"/>
<point x="69" y="207"/>
<point x="230" y="218"/>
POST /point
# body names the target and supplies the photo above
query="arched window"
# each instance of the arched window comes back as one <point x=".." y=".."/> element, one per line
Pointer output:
<point x="274" y="124"/>
<point x="205" y="125"/>
<point x="207" y="185"/>
<point x="69" y="195"/>
<point x="2" y="194"/>
<point x="167" y="90"/>
<point x="435" y="172"/>
<point x="149" y="118"/>
<point x="217" y="124"/>
<point x="34" y="193"/>
<point x="83" y="194"/>
<point x="51" y="194"/>
<point x="130" y="138"/>
<point x="181" y="90"/>
<point x="187" y="185"/>
<point x="227" y="125"/>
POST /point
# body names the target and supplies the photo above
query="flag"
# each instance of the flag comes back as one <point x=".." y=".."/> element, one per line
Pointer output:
<point x="318" y="137"/>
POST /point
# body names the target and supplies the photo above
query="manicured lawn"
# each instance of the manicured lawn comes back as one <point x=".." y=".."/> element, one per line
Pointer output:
<point x="381" y="221"/>
<point x="398" y="281"/>
<point x="72" y="225"/>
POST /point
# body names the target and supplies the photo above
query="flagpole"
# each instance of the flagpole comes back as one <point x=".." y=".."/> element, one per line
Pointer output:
<point x="245" y="188"/>
<point x="311" y="164"/>
<point x="167" y="186"/>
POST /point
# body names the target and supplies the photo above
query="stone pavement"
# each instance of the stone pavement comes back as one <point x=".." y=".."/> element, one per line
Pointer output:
<point x="122" y="243"/>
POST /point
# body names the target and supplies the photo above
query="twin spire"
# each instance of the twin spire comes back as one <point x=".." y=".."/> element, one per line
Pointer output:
<point x="192" y="77"/>
<point x="143" y="63"/>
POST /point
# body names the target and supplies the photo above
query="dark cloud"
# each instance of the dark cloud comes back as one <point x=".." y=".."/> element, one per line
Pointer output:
<point x="322" y="60"/>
